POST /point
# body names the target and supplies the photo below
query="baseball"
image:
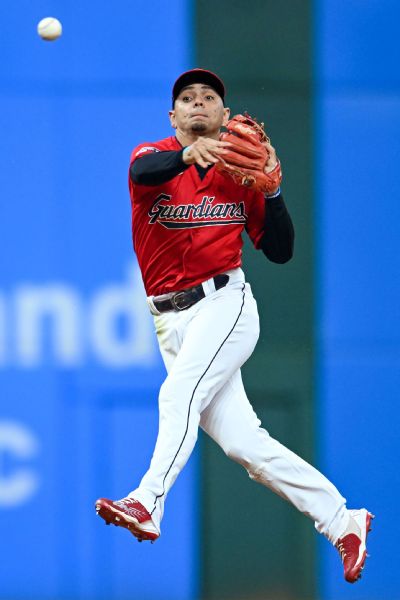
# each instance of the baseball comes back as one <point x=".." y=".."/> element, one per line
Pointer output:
<point x="49" y="29"/>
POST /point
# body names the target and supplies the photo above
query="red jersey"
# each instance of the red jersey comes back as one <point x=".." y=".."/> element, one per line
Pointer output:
<point x="189" y="229"/>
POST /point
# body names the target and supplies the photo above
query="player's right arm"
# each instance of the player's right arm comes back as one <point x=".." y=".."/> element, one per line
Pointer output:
<point x="156" y="167"/>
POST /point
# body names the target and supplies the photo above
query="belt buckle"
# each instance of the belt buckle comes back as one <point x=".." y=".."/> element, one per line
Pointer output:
<point x="175" y="301"/>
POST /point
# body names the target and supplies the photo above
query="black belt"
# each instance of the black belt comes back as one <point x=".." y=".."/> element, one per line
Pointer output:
<point x="186" y="298"/>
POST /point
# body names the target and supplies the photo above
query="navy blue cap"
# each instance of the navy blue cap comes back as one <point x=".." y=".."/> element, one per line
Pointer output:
<point x="198" y="76"/>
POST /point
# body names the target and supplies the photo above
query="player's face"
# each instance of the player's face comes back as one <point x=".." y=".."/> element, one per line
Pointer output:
<point x="199" y="110"/>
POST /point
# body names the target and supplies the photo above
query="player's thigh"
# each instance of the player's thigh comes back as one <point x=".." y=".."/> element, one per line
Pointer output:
<point x="222" y="333"/>
<point x="220" y="336"/>
<point x="168" y="328"/>
<point x="231" y="421"/>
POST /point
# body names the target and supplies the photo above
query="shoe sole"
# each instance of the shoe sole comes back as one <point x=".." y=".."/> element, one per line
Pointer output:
<point x="355" y="574"/>
<point x="119" y="519"/>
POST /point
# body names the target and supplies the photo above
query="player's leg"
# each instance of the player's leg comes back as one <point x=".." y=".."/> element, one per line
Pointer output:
<point x="129" y="512"/>
<point x="219" y="334"/>
<point x="231" y="421"/>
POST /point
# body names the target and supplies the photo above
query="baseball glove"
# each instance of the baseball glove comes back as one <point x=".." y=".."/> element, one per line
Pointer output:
<point x="246" y="159"/>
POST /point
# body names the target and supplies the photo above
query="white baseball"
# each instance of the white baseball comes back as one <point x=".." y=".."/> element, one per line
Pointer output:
<point x="49" y="29"/>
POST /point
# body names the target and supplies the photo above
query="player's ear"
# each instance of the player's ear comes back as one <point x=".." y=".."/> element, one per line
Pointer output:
<point x="172" y="118"/>
<point x="227" y="112"/>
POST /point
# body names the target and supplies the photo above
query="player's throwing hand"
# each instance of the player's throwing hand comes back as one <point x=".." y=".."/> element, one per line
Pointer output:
<point x="204" y="151"/>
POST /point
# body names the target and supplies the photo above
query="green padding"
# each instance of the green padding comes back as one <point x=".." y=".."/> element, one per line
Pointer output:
<point x="255" y="545"/>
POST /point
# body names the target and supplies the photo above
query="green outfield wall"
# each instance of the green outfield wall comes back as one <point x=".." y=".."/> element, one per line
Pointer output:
<point x="255" y="545"/>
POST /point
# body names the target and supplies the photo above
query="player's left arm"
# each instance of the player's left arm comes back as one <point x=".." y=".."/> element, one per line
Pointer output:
<point x="269" y="224"/>
<point x="270" y="227"/>
<point x="277" y="239"/>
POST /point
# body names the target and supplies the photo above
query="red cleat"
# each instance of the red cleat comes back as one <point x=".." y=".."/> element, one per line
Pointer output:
<point x="352" y="546"/>
<point x="128" y="513"/>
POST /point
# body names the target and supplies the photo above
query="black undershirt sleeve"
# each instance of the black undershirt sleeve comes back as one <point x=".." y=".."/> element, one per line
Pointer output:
<point x="157" y="167"/>
<point x="277" y="241"/>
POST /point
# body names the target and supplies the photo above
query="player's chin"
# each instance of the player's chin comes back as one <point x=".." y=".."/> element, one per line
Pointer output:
<point x="199" y="127"/>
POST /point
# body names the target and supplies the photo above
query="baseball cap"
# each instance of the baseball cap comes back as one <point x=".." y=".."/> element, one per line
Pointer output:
<point x="198" y="76"/>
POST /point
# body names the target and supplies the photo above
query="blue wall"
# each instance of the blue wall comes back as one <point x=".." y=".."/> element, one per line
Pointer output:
<point x="79" y="366"/>
<point x="358" y="213"/>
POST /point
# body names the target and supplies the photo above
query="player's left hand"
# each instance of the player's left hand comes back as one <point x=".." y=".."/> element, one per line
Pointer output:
<point x="251" y="159"/>
<point x="272" y="161"/>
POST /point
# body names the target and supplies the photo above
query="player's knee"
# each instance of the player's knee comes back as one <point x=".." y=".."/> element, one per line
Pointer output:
<point x="237" y="454"/>
<point x="251" y="450"/>
<point x="248" y="461"/>
<point x="257" y="473"/>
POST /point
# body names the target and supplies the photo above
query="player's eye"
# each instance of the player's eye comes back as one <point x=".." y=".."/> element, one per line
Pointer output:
<point x="209" y="97"/>
<point x="186" y="98"/>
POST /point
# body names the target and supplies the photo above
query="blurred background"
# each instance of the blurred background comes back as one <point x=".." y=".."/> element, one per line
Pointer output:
<point x="79" y="364"/>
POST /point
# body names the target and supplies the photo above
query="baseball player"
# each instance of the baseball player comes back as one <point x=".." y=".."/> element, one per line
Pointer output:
<point x="193" y="194"/>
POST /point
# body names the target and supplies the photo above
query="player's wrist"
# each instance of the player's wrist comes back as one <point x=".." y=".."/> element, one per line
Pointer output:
<point x="186" y="155"/>
<point x="273" y="194"/>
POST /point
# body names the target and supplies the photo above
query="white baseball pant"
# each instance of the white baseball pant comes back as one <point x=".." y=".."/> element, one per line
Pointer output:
<point x="203" y="349"/>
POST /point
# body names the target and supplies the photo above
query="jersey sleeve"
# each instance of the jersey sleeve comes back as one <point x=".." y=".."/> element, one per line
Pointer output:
<point x="142" y="149"/>
<point x="255" y="210"/>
